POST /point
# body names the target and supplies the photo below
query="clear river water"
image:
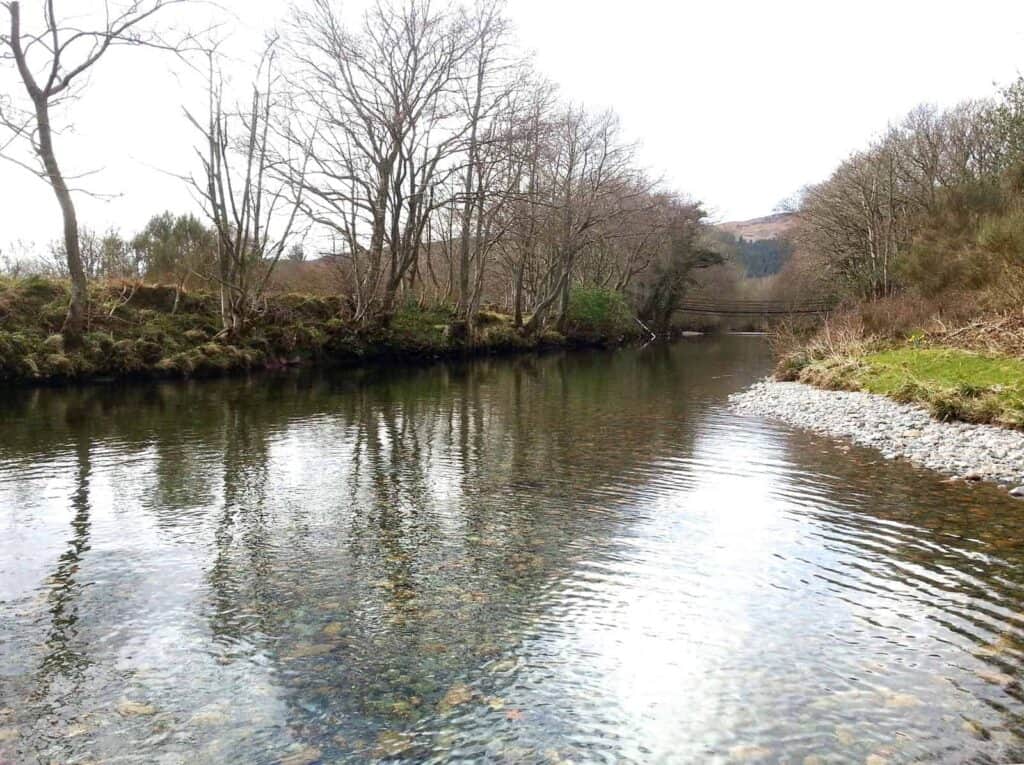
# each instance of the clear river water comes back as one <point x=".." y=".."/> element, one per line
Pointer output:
<point x="580" y="557"/>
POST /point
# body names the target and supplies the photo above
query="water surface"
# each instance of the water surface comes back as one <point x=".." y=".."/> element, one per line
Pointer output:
<point x="568" y="558"/>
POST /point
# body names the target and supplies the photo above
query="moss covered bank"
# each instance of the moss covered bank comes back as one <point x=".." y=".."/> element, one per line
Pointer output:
<point x="135" y="331"/>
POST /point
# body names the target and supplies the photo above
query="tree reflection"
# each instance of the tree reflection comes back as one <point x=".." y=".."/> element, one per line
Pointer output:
<point x="65" y="658"/>
<point x="371" y="540"/>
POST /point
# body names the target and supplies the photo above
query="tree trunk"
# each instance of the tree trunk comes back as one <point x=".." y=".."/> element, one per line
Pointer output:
<point x="517" y="299"/>
<point x="563" y="307"/>
<point x="542" y="308"/>
<point x="74" y="324"/>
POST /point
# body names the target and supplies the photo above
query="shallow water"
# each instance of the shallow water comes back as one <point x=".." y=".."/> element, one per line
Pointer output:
<point x="580" y="557"/>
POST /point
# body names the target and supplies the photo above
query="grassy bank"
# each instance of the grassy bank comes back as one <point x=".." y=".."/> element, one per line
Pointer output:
<point x="973" y="372"/>
<point x="135" y="332"/>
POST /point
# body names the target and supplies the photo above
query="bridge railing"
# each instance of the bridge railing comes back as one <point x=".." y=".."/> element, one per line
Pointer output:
<point x="756" y="307"/>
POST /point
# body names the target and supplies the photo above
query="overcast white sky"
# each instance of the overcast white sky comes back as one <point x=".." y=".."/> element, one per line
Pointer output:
<point x="737" y="102"/>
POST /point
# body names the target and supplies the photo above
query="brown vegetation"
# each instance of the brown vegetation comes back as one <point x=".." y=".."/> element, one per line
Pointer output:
<point x="422" y="160"/>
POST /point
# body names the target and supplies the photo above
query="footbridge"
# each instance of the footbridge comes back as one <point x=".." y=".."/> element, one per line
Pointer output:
<point x="756" y="307"/>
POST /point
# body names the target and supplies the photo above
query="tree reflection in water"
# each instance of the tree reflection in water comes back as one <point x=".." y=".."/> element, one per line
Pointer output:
<point x="580" y="555"/>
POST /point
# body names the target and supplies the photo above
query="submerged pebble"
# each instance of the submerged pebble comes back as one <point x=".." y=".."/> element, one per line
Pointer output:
<point x="135" y="709"/>
<point x="307" y="755"/>
<point x="902" y="701"/>
<point x="456" y="695"/>
<point x="334" y="629"/>
<point x="393" y="744"/>
<point x="209" y="717"/>
<point x="975" y="729"/>
<point x="999" y="678"/>
<point x="749" y="753"/>
<point x="307" y="650"/>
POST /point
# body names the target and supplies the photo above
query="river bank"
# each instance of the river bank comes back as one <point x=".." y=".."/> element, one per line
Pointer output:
<point x="139" y="331"/>
<point x="899" y="430"/>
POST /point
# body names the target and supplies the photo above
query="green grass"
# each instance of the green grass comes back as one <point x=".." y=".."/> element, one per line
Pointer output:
<point x="953" y="384"/>
<point x="939" y="367"/>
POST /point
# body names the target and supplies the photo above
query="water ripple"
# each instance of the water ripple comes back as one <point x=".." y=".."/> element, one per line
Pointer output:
<point x="516" y="561"/>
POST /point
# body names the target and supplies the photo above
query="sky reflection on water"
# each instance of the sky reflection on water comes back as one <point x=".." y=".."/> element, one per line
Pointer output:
<point x="581" y="557"/>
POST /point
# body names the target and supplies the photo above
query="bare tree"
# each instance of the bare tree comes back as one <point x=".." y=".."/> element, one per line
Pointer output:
<point x="51" y="59"/>
<point x="532" y="139"/>
<point x="251" y="194"/>
<point x="488" y="178"/>
<point x="592" y="175"/>
<point x="376" y="105"/>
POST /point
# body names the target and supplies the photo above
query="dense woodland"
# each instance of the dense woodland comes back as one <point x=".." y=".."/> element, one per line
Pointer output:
<point x="415" y="157"/>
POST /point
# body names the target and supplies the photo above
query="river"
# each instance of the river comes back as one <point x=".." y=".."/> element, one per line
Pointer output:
<point x="579" y="557"/>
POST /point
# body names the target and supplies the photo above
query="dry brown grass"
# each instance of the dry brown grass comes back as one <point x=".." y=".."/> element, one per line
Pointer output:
<point x="994" y="334"/>
<point x="840" y="338"/>
<point x="973" y="321"/>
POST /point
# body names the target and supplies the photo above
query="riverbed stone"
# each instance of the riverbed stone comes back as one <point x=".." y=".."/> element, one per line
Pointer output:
<point x="999" y="678"/>
<point x="976" y="730"/>
<point x="307" y="755"/>
<point x="503" y="667"/>
<point x="905" y="431"/>
<point x="334" y="629"/>
<point x="749" y="753"/>
<point x="393" y="744"/>
<point x="456" y="695"/>
<point x="307" y="650"/>
<point x="135" y="709"/>
<point x="844" y="735"/>
<point x="77" y="729"/>
<point x="210" y="717"/>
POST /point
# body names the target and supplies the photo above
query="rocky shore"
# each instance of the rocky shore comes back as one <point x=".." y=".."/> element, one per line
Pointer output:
<point x="899" y="431"/>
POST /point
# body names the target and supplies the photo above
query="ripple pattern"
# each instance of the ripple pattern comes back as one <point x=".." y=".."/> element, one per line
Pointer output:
<point x="575" y="558"/>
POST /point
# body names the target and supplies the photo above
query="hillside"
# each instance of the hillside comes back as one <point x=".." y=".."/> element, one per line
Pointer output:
<point x="771" y="226"/>
<point x="760" y="244"/>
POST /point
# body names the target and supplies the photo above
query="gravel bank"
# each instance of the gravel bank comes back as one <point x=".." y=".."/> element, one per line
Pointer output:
<point x="906" y="431"/>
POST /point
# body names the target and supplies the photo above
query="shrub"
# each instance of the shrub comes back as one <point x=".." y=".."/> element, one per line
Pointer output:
<point x="552" y="338"/>
<point x="57" y="365"/>
<point x="53" y="344"/>
<point x="1002" y="238"/>
<point x="15" y="359"/>
<point x="790" y="366"/>
<point x="910" y="391"/>
<point x="414" y="327"/>
<point x="833" y="374"/>
<point x="488" y="318"/>
<point x="502" y="337"/>
<point x="598" y="314"/>
<point x="100" y="344"/>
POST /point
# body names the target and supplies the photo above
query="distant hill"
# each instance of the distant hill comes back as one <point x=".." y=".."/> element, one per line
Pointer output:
<point x="756" y="229"/>
<point x="760" y="243"/>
